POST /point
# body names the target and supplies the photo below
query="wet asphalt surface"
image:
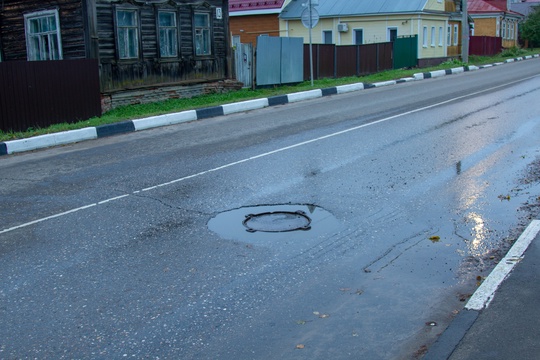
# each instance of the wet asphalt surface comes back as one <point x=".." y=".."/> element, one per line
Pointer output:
<point x="141" y="250"/>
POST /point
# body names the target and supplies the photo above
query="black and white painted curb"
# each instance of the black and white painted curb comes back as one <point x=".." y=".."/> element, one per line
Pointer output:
<point x="73" y="136"/>
<point x="445" y="345"/>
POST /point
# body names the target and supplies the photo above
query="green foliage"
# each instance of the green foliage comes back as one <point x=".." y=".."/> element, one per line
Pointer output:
<point x="453" y="62"/>
<point x="513" y="52"/>
<point x="530" y="29"/>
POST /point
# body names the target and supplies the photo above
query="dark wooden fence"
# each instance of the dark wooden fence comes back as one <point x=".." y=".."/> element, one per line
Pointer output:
<point x="485" y="45"/>
<point x="331" y="61"/>
<point x="41" y="93"/>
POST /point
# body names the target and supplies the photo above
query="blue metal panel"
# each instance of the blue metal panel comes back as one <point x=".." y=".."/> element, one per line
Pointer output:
<point x="268" y="60"/>
<point x="292" y="60"/>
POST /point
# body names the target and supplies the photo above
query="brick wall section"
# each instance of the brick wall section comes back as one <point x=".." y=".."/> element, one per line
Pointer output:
<point x="149" y="95"/>
<point x="485" y="27"/>
<point x="253" y="26"/>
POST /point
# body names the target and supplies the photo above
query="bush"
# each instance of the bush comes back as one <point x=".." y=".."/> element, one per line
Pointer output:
<point x="513" y="52"/>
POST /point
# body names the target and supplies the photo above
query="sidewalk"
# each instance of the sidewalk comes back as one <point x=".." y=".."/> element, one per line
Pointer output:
<point x="90" y="133"/>
<point x="502" y="318"/>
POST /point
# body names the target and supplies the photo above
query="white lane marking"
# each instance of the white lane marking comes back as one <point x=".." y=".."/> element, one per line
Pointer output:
<point x="266" y="154"/>
<point x="48" y="218"/>
<point x="486" y="291"/>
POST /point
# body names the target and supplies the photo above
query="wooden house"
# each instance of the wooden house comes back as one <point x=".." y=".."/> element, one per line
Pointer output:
<point x="345" y="22"/>
<point x="147" y="50"/>
<point x="494" y="18"/>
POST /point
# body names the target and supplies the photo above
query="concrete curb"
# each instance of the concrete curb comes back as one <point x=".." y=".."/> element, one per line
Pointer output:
<point x="451" y="337"/>
<point x="68" y="137"/>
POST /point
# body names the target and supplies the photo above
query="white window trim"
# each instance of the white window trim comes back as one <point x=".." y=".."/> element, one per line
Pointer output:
<point x="168" y="28"/>
<point x="116" y="33"/>
<point x="433" y="36"/>
<point x="441" y="36"/>
<point x="449" y="35"/>
<point x="456" y="34"/>
<point x="324" y="37"/>
<point x="388" y="31"/>
<point x="354" y="35"/>
<point x="425" y="35"/>
<point x="38" y="14"/>
<point x="210" y="35"/>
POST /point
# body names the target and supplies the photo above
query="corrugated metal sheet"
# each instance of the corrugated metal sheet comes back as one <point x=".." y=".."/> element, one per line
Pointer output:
<point x="335" y="8"/>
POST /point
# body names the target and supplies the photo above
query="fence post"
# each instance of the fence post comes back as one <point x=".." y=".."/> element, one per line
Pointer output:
<point x="335" y="61"/>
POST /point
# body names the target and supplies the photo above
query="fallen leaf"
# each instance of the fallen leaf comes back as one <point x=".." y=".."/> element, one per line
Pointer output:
<point x="300" y="346"/>
<point x="359" y="292"/>
<point x="435" y="238"/>
<point x="316" y="313"/>
<point x="301" y="322"/>
<point x="324" y="316"/>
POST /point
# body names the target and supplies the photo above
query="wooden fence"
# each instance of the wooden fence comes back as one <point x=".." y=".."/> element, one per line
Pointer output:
<point x="331" y="61"/>
<point x="485" y="45"/>
<point x="37" y="94"/>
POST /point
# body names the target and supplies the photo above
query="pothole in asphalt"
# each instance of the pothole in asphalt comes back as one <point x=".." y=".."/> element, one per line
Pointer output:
<point x="273" y="222"/>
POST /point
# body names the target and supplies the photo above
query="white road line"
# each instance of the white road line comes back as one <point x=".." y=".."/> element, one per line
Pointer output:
<point x="486" y="291"/>
<point x="264" y="155"/>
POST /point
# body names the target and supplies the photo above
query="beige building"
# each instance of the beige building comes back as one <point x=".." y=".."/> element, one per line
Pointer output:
<point x="346" y="22"/>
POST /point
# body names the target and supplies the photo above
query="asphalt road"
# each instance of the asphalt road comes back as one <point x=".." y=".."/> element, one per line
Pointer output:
<point x="134" y="246"/>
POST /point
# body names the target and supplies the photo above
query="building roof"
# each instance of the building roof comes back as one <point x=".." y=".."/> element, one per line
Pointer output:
<point x="524" y="8"/>
<point x="335" y="8"/>
<point x="489" y="6"/>
<point x="254" y="5"/>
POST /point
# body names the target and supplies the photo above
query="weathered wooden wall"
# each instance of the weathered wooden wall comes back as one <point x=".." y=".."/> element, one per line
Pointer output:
<point x="77" y="24"/>
<point x="149" y="69"/>
<point x="72" y="24"/>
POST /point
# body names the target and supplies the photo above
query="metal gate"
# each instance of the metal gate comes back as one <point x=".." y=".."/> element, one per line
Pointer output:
<point x="406" y="52"/>
<point x="279" y="60"/>
<point x="243" y="57"/>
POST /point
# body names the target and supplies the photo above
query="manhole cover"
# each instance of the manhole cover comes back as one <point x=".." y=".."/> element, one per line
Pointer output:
<point x="277" y="221"/>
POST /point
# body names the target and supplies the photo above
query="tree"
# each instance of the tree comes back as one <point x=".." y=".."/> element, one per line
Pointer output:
<point x="530" y="29"/>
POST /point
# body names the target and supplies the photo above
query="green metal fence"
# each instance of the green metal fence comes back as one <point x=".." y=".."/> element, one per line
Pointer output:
<point x="406" y="52"/>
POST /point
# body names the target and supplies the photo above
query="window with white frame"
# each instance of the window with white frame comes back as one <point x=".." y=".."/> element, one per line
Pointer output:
<point x="168" y="34"/>
<point x="358" y="36"/>
<point x="424" y="36"/>
<point x="512" y="31"/>
<point x="391" y="34"/>
<point x="440" y="36"/>
<point x="456" y="35"/>
<point x="503" y="34"/>
<point x="433" y="36"/>
<point x="43" y="40"/>
<point x="449" y="36"/>
<point x="127" y="33"/>
<point x="203" y="44"/>
<point x="328" y="37"/>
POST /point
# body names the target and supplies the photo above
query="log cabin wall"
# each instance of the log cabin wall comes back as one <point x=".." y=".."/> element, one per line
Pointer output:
<point x="89" y="29"/>
<point x="12" y="28"/>
<point x="149" y="68"/>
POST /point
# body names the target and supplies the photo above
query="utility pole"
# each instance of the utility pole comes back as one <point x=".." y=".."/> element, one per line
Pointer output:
<point x="310" y="41"/>
<point x="464" y="32"/>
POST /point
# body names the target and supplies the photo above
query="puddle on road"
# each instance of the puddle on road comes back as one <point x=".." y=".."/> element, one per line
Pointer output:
<point x="273" y="222"/>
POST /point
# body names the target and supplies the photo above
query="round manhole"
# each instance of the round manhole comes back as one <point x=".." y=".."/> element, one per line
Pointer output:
<point x="277" y="221"/>
<point x="265" y="224"/>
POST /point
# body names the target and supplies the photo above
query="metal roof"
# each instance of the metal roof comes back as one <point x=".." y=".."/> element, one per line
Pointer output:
<point x="492" y="6"/>
<point x="336" y="8"/>
<point x="251" y="5"/>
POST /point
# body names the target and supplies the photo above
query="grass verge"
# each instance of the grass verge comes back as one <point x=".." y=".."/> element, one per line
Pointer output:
<point x="176" y="105"/>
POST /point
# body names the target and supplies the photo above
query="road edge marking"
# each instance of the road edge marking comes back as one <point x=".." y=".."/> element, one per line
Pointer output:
<point x="485" y="293"/>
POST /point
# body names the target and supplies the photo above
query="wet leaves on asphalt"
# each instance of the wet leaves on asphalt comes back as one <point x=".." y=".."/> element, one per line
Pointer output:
<point x="435" y="238"/>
